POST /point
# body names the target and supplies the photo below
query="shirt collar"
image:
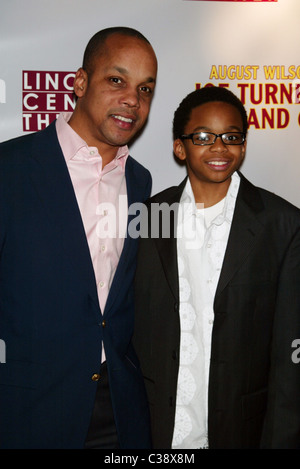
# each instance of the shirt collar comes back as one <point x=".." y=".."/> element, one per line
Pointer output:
<point x="191" y="208"/>
<point x="71" y="143"/>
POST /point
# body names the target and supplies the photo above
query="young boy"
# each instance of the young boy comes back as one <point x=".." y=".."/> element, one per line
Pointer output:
<point x="218" y="301"/>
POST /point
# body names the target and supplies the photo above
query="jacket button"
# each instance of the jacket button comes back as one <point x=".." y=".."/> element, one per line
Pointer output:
<point x="103" y="323"/>
<point x="95" y="377"/>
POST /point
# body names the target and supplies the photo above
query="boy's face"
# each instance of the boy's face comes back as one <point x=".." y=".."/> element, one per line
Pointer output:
<point x="210" y="164"/>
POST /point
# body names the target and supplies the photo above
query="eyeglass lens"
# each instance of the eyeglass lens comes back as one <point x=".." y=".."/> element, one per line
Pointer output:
<point x="208" y="138"/>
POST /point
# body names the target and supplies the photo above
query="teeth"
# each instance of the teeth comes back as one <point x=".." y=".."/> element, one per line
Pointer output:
<point x="217" y="163"/>
<point x="124" y="119"/>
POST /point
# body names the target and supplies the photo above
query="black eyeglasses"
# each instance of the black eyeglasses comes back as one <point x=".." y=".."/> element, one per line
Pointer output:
<point x="209" y="138"/>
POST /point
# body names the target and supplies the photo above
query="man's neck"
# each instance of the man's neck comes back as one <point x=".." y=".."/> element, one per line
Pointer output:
<point x="107" y="153"/>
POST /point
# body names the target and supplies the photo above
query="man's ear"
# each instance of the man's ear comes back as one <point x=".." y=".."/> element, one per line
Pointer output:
<point x="80" y="82"/>
<point x="179" y="149"/>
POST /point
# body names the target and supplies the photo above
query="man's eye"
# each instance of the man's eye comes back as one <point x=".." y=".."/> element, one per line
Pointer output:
<point x="116" y="80"/>
<point x="146" y="89"/>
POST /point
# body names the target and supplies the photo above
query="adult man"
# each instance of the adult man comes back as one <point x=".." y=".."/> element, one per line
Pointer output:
<point x="215" y="335"/>
<point x="66" y="265"/>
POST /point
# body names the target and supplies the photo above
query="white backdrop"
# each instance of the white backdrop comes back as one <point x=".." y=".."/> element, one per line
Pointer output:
<point x="195" y="42"/>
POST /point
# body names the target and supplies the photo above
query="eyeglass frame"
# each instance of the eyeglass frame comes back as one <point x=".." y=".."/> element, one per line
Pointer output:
<point x="190" y="136"/>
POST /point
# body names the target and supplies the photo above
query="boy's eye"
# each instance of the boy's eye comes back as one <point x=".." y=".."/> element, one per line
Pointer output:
<point x="230" y="137"/>
<point x="203" y="137"/>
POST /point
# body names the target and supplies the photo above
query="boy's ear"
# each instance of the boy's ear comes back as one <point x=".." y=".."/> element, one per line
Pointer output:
<point x="179" y="149"/>
<point x="244" y="148"/>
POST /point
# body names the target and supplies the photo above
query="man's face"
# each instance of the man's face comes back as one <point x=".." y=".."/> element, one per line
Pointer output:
<point x="115" y="101"/>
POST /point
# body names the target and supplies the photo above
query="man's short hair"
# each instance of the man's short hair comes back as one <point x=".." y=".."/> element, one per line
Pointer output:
<point x="97" y="43"/>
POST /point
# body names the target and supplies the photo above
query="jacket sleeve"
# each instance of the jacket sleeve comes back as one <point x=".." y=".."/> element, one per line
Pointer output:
<point x="282" y="421"/>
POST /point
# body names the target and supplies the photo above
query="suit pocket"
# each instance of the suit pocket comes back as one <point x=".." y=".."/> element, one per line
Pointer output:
<point x="130" y="361"/>
<point x="254" y="404"/>
<point x="21" y="374"/>
<point x="150" y="389"/>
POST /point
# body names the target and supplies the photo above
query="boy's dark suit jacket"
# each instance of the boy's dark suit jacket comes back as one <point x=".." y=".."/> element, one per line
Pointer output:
<point x="254" y="386"/>
<point x="50" y="317"/>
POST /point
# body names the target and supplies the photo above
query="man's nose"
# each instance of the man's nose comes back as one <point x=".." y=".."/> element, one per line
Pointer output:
<point x="131" y="97"/>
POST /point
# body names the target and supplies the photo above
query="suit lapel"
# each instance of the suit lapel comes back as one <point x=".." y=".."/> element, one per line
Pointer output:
<point x="245" y="229"/>
<point x="122" y="279"/>
<point x="167" y="246"/>
<point x="50" y="175"/>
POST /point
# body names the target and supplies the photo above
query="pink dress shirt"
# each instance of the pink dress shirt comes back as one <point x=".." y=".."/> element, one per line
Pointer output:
<point x="102" y="199"/>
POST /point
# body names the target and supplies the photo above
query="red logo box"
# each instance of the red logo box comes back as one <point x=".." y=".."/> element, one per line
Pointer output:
<point x="44" y="96"/>
<point x="257" y="1"/>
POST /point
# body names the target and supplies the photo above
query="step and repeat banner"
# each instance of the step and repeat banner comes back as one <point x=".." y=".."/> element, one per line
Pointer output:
<point x="248" y="46"/>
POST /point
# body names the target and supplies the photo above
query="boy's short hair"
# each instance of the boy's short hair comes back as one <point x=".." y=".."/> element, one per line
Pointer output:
<point x="202" y="96"/>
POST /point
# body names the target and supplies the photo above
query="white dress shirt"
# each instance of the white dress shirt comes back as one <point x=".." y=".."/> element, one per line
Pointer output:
<point x="202" y="236"/>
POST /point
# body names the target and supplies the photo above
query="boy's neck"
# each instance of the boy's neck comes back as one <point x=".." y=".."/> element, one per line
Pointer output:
<point x="209" y="194"/>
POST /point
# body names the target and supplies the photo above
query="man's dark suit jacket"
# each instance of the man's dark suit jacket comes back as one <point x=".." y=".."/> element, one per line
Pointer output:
<point x="254" y="386"/>
<point x="50" y="317"/>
